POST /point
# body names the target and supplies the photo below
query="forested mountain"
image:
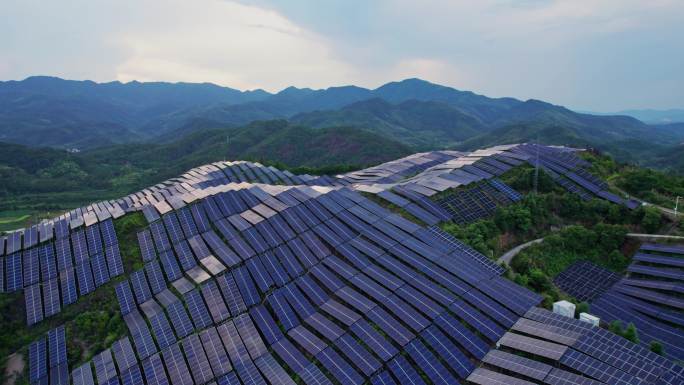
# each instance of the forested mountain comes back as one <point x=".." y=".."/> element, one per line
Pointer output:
<point x="44" y="111"/>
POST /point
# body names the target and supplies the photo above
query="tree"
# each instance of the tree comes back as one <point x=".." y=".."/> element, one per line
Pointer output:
<point x="631" y="333"/>
<point x="657" y="348"/>
<point x="651" y="220"/>
<point x="582" y="307"/>
<point x="616" y="327"/>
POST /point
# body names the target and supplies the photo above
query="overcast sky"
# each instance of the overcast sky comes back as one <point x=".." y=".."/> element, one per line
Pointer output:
<point x="598" y="55"/>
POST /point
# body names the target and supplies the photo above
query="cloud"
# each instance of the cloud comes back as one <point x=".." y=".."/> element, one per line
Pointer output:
<point x="588" y="54"/>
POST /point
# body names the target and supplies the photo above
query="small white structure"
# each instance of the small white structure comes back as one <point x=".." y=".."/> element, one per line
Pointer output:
<point x="564" y="308"/>
<point x="592" y="319"/>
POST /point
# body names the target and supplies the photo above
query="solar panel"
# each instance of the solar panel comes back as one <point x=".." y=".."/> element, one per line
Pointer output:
<point x="100" y="272"/>
<point x="142" y="339"/>
<point x="185" y="256"/>
<point x="429" y="364"/>
<point x="249" y="293"/>
<point x="104" y="366"/>
<point x="79" y="246"/>
<point x="200" y="217"/>
<point x="197" y="308"/>
<point x="179" y="374"/>
<point x="51" y="297"/>
<point x="217" y="307"/>
<point x="38" y="364"/>
<point x="34" y="304"/>
<point x="197" y="359"/>
<point x="31" y="267"/>
<point x="114" y="261"/>
<point x="15" y="280"/>
<point x="132" y="376"/>
<point x="63" y="252"/>
<point x="125" y="297"/>
<point x="216" y="354"/>
<point x="155" y="276"/>
<point x="161" y="240"/>
<point x="123" y="353"/>
<point x="187" y="222"/>
<point x="2" y="274"/>
<point x="83" y="375"/>
<point x="273" y="372"/>
<point x="141" y="288"/>
<point x="173" y="227"/>
<point x="146" y="245"/>
<point x="404" y="372"/>
<point x="161" y="329"/>
<point x="59" y="375"/>
<point x="170" y="265"/>
<point x="282" y="310"/>
<point x="154" y="371"/>
<point x="67" y="281"/>
<point x="231" y="294"/>
<point x="533" y="345"/>
<point x="94" y="239"/>
<point x="339" y="367"/>
<point x="483" y="376"/>
<point x="48" y="262"/>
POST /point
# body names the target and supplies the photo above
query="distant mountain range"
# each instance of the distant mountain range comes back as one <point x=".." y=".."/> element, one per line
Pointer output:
<point x="652" y="116"/>
<point x="413" y="114"/>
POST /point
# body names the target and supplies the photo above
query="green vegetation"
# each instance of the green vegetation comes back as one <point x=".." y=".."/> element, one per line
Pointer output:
<point x="127" y="228"/>
<point x="582" y="307"/>
<point x="629" y="333"/>
<point x="657" y="348"/>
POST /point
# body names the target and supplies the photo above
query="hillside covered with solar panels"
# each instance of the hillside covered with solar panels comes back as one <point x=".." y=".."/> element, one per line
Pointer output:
<point x="240" y="273"/>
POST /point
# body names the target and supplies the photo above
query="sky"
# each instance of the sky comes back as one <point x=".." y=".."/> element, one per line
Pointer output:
<point x="589" y="55"/>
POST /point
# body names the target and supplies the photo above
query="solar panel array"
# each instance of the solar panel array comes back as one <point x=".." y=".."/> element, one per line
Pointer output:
<point x="548" y="348"/>
<point x="350" y="283"/>
<point x="650" y="297"/>
<point x="272" y="283"/>
<point x="56" y="272"/>
<point x="47" y="358"/>
<point x="585" y="280"/>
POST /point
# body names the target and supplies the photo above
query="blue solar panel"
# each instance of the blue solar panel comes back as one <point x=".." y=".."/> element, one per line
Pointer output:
<point x="429" y="364"/>
<point x="216" y="354"/>
<point x="85" y="279"/>
<point x="451" y="355"/>
<point x="185" y="257"/>
<point x="217" y="307"/>
<point x="220" y="249"/>
<point x="63" y="251"/>
<point x="59" y="375"/>
<point x="380" y="346"/>
<point x="491" y="308"/>
<point x="179" y="319"/>
<point x="100" y="273"/>
<point x="132" y="376"/>
<point x="48" y="262"/>
<point x="460" y="333"/>
<point x="303" y="253"/>
<point x="404" y="372"/>
<point x="289" y="261"/>
<point x="249" y="293"/>
<point x="175" y="364"/>
<point x="382" y="378"/>
<point x="282" y="310"/>
<point x="170" y="265"/>
<point x="187" y="222"/>
<point x="141" y="288"/>
<point x="2" y="274"/>
<point x="173" y="227"/>
<point x="390" y="326"/>
<point x="67" y="281"/>
<point x="125" y="297"/>
<point x="357" y="354"/>
<point x="79" y="246"/>
<point x="114" y="261"/>
<point x="154" y="371"/>
<point x="231" y="294"/>
<point x="15" y="279"/>
<point x="161" y="240"/>
<point x="339" y="368"/>
<point x="197" y="359"/>
<point x="94" y="239"/>
<point x="260" y="274"/>
<point x="162" y="330"/>
<point x="200" y="218"/>
<point x="38" y="360"/>
<point x="31" y="267"/>
<point x="146" y="245"/>
<point x="142" y="339"/>
<point x="51" y="297"/>
<point x="123" y="353"/>
<point x="198" y="310"/>
<point x="155" y="276"/>
<point x="34" y="304"/>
